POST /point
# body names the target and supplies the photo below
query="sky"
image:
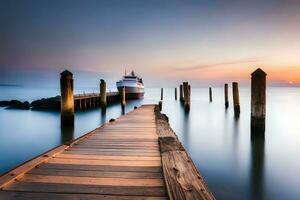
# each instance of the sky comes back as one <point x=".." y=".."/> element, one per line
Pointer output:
<point x="206" y="42"/>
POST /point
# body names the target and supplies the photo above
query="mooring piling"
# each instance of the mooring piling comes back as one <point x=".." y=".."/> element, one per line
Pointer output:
<point x="186" y="91"/>
<point x="236" y="99"/>
<point x="67" y="98"/>
<point x="181" y="93"/>
<point x="176" y="94"/>
<point x="160" y="105"/>
<point x="258" y="101"/>
<point x="161" y="93"/>
<point x="210" y="94"/>
<point x="226" y="95"/>
<point x="123" y="97"/>
<point x="103" y="93"/>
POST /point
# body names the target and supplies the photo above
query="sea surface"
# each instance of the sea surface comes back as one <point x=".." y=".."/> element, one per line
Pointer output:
<point x="233" y="165"/>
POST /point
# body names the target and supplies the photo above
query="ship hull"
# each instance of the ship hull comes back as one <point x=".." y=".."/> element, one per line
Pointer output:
<point x="133" y="92"/>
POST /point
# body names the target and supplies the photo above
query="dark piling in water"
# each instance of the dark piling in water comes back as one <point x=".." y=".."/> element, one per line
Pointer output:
<point x="161" y="93"/>
<point x="103" y="94"/>
<point x="181" y="93"/>
<point x="67" y="98"/>
<point x="186" y="91"/>
<point x="160" y="105"/>
<point x="258" y="101"/>
<point x="236" y="99"/>
<point x="226" y="95"/>
<point x="210" y="94"/>
<point x="176" y="94"/>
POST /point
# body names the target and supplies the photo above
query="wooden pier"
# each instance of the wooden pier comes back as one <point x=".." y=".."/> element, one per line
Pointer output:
<point x="93" y="100"/>
<point x="136" y="156"/>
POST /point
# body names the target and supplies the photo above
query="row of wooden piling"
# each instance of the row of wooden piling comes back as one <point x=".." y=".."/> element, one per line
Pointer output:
<point x="258" y="98"/>
<point x="184" y="93"/>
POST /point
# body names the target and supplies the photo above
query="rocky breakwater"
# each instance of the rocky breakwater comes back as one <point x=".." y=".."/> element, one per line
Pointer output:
<point x="15" y="104"/>
<point x="52" y="103"/>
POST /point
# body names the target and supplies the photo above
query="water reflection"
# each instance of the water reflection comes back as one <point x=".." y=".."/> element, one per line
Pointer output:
<point x="67" y="133"/>
<point x="257" y="166"/>
<point x="123" y="111"/>
<point x="103" y="115"/>
<point x="186" y="129"/>
<point x="236" y="130"/>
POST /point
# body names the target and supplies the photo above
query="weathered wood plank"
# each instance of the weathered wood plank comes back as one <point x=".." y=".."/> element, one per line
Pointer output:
<point x="101" y="168"/>
<point x="137" y="147"/>
<point x="182" y="178"/>
<point x="93" y="180"/>
<point x="146" y="150"/>
<point x="54" y="196"/>
<point x="183" y="181"/>
<point x="143" y="154"/>
<point x="101" y="174"/>
<point x="154" y="163"/>
<point x="97" y="157"/>
<point x="87" y="189"/>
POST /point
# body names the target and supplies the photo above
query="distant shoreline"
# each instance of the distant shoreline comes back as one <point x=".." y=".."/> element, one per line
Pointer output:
<point x="10" y="85"/>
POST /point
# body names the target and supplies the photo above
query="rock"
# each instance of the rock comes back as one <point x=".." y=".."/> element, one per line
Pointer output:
<point x="15" y="104"/>
<point x="52" y="103"/>
<point x="4" y="103"/>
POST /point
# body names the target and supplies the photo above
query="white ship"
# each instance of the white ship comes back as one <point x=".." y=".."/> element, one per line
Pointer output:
<point x="134" y="86"/>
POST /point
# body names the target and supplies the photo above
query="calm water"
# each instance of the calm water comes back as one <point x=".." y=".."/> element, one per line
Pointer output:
<point x="233" y="166"/>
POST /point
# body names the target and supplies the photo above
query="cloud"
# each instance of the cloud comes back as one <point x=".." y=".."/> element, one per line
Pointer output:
<point x="231" y="62"/>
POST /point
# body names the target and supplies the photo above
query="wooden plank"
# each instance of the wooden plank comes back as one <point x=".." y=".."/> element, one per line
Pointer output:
<point x="120" y="144"/>
<point x="154" y="163"/>
<point x="125" y="137"/>
<point x="183" y="181"/>
<point x="117" y="147"/>
<point x="87" y="189"/>
<point x="128" y="140"/>
<point x="100" y="142"/>
<point x="53" y="196"/>
<point x="102" y="174"/>
<point x="96" y="157"/>
<point x="101" y="168"/>
<point x="182" y="178"/>
<point x="143" y="154"/>
<point x="78" y="148"/>
<point x="93" y="180"/>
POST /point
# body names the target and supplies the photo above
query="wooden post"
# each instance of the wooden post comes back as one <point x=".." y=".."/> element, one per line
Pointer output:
<point x="161" y="93"/>
<point x="67" y="98"/>
<point x="80" y="106"/>
<point x="103" y="93"/>
<point x="210" y="94"/>
<point x="181" y="93"/>
<point x="226" y="95"/>
<point x="160" y="105"/>
<point x="236" y="99"/>
<point x="186" y="91"/>
<point x="176" y="94"/>
<point x="258" y="101"/>
<point x="123" y="97"/>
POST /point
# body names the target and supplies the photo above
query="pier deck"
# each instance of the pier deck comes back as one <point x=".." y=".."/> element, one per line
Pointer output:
<point x="123" y="159"/>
